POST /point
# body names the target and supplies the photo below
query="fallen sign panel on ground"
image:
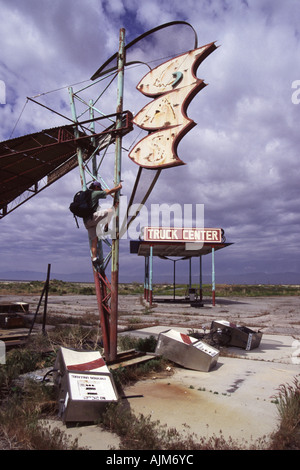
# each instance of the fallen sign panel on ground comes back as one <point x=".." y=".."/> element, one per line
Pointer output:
<point x="84" y="385"/>
<point x="187" y="351"/>
<point x="226" y="333"/>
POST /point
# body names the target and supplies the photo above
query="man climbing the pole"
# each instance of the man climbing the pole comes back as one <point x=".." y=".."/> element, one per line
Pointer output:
<point x="102" y="217"/>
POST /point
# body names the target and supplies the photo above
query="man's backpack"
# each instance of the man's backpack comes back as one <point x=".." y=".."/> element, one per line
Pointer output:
<point x="82" y="204"/>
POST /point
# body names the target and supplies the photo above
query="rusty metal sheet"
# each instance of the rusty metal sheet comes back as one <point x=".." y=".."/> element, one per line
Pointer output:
<point x="25" y="161"/>
<point x="230" y="334"/>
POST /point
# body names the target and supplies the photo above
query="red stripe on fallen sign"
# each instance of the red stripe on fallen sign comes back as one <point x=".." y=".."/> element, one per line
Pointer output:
<point x="88" y="365"/>
<point x="185" y="338"/>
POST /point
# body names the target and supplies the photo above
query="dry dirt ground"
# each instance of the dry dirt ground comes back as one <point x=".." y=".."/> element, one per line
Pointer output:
<point x="271" y="315"/>
<point x="235" y="397"/>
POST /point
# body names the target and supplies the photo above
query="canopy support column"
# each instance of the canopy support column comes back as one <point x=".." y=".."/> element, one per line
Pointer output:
<point x="213" y="282"/>
<point x="200" y="279"/>
<point x="146" y="279"/>
<point x="151" y="276"/>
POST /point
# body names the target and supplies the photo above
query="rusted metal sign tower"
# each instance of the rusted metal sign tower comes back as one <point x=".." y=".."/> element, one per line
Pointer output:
<point x="171" y="85"/>
<point x="107" y="291"/>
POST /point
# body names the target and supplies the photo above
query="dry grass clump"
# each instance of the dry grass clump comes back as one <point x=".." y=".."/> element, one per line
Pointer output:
<point x="20" y="426"/>
<point x="288" y="404"/>
<point x="25" y="403"/>
<point x="141" y="433"/>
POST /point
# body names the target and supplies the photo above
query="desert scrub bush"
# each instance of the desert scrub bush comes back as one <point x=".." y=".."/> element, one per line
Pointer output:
<point x="124" y="376"/>
<point x="141" y="433"/>
<point x="24" y="402"/>
<point x="75" y="336"/>
<point x="126" y="342"/>
<point x="288" y="404"/>
<point x="134" y="432"/>
<point x="20" y="425"/>
<point x="127" y="375"/>
<point x="87" y="290"/>
<point x="18" y="361"/>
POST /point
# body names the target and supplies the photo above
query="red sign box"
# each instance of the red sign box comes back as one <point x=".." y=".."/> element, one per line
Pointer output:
<point x="188" y="235"/>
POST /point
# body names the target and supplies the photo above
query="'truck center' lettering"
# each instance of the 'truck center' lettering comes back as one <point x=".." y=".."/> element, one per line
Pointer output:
<point x="172" y="234"/>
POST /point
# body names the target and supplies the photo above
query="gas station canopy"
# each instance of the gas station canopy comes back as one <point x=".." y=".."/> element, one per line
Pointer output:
<point x="174" y="249"/>
<point x="178" y="241"/>
<point x="181" y="243"/>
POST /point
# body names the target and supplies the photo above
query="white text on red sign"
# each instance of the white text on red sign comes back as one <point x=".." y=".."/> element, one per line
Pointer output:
<point x="170" y="234"/>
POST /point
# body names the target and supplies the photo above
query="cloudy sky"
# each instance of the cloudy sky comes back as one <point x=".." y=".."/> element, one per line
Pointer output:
<point x="242" y="158"/>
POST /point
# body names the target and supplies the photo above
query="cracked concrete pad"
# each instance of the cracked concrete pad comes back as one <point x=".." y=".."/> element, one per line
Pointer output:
<point x="236" y="398"/>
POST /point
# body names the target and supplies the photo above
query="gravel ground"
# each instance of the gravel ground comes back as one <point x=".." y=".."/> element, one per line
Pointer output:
<point x="234" y="397"/>
<point x="271" y="315"/>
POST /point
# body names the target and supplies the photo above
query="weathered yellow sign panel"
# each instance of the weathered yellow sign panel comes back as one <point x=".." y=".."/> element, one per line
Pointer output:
<point x="173" y="84"/>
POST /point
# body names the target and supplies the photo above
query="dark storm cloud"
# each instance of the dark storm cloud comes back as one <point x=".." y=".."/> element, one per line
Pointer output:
<point x="241" y="158"/>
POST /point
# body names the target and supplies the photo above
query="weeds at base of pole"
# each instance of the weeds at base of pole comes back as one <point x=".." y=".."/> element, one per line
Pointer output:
<point x="24" y="406"/>
<point x="141" y="433"/>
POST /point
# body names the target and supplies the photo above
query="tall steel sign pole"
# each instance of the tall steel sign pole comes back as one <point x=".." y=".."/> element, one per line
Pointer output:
<point x="117" y="178"/>
<point x="172" y="85"/>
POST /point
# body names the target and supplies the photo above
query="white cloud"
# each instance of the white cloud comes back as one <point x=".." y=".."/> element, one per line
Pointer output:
<point x="241" y="158"/>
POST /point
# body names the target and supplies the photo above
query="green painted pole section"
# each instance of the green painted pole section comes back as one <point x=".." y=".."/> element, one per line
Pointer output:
<point x="92" y="115"/>
<point x="95" y="173"/>
<point x="76" y="132"/>
<point x="200" y="280"/>
<point x="174" y="277"/>
<point x="79" y="150"/>
<point x="146" y="278"/>
<point x="117" y="179"/>
<point x="118" y="145"/>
